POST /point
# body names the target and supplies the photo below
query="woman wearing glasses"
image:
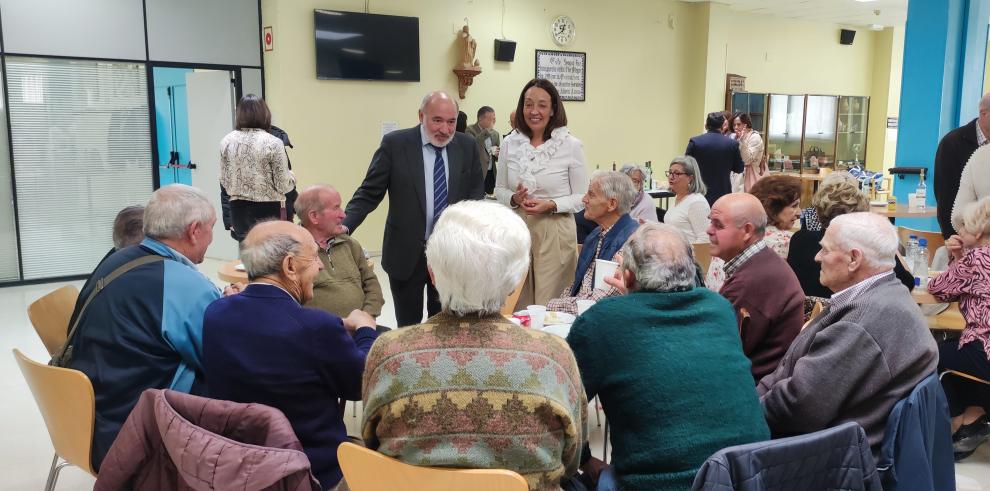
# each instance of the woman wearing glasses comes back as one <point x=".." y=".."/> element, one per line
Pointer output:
<point x="690" y="210"/>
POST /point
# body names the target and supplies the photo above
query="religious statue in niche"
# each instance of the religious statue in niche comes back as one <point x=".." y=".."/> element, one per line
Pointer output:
<point x="469" y="66"/>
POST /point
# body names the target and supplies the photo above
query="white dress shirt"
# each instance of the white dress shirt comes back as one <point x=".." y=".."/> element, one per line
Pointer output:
<point x="555" y="170"/>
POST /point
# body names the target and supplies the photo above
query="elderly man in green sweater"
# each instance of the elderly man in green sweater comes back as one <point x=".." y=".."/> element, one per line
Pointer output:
<point x="667" y="363"/>
<point x="347" y="282"/>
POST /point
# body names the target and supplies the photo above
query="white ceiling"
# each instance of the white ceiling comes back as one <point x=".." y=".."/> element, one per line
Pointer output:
<point x="848" y="13"/>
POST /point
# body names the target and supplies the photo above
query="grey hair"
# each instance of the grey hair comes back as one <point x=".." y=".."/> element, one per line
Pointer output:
<point x="434" y="95"/>
<point x="128" y="227"/>
<point x="691" y="168"/>
<point x="616" y="185"/>
<point x="975" y="218"/>
<point x="628" y="169"/>
<point x="478" y="253"/>
<point x="660" y="257"/>
<point x="309" y="200"/>
<point x="264" y="257"/>
<point x="173" y="208"/>
<point x="870" y="233"/>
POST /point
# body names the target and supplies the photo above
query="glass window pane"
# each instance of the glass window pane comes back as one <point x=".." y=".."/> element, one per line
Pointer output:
<point x="8" y="230"/>
<point x="82" y="151"/>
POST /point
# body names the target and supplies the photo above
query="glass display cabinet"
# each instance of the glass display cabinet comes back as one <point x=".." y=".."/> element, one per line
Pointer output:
<point x="819" y="132"/>
<point x="756" y="105"/>
<point x="850" y="149"/>
<point x="785" y="131"/>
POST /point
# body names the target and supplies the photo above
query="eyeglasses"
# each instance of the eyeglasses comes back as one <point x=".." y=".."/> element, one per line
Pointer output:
<point x="671" y="173"/>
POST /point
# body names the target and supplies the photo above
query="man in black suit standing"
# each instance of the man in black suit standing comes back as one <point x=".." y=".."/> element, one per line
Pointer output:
<point x="717" y="156"/>
<point x="955" y="149"/>
<point x="423" y="169"/>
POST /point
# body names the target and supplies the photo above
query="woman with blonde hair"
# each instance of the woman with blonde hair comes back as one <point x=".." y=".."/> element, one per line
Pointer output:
<point x="967" y="280"/>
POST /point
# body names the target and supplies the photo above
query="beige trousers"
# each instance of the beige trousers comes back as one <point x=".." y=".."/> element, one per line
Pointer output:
<point x="553" y="257"/>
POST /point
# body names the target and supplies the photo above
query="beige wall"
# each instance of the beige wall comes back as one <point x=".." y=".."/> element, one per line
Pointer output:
<point x="648" y="84"/>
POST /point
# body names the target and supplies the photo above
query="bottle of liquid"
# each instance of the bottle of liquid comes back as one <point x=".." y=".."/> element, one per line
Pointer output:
<point x="613" y="165"/>
<point x="648" y="178"/>
<point x="911" y="251"/>
<point x="921" y="265"/>
<point x="921" y="192"/>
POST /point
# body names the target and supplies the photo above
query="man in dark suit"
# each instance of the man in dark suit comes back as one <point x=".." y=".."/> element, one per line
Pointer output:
<point x="955" y="149"/>
<point x="717" y="156"/>
<point x="423" y="169"/>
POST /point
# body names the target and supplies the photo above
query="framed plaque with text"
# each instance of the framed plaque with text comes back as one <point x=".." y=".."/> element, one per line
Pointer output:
<point x="566" y="69"/>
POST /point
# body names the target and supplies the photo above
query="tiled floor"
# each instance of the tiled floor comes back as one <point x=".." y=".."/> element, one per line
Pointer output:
<point x="26" y="453"/>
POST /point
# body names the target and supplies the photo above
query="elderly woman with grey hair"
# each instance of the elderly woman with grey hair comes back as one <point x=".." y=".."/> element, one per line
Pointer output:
<point x="690" y="211"/>
<point x="474" y="384"/>
<point x="653" y="344"/>
<point x="642" y="207"/>
<point x="607" y="203"/>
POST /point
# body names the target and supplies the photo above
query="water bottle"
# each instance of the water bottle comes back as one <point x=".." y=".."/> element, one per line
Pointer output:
<point x="911" y="251"/>
<point x="921" y="192"/>
<point x="921" y="264"/>
<point x="648" y="178"/>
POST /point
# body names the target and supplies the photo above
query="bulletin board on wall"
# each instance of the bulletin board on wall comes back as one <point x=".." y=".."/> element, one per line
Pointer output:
<point x="566" y="69"/>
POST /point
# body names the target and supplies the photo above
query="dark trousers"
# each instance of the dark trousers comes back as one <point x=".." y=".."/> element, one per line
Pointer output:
<point x="490" y="180"/>
<point x="244" y="214"/>
<point x="407" y="295"/>
<point x="971" y="360"/>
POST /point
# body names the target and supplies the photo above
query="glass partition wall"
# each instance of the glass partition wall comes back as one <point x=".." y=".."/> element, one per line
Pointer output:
<point x="785" y="131"/>
<point x="9" y="263"/>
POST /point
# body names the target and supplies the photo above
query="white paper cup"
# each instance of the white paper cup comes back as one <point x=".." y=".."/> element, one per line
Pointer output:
<point x="536" y="315"/>
<point x="583" y="305"/>
<point x="604" y="269"/>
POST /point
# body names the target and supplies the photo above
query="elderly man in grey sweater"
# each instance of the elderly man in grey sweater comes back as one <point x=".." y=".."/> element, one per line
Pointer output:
<point x="864" y="352"/>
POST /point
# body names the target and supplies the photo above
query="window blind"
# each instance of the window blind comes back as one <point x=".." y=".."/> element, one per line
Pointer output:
<point x="8" y="230"/>
<point x="82" y="151"/>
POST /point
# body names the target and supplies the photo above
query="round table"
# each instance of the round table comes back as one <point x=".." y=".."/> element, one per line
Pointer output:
<point x="228" y="272"/>
<point x="903" y="211"/>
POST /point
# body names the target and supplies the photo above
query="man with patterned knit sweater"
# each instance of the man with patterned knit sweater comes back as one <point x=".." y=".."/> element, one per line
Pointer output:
<point x="763" y="289"/>
<point x="467" y="388"/>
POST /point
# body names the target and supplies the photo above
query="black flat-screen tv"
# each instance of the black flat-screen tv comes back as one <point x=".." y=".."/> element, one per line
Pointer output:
<point x="358" y="46"/>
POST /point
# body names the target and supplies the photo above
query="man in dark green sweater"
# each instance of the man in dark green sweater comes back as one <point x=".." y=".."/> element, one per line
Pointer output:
<point x="649" y="355"/>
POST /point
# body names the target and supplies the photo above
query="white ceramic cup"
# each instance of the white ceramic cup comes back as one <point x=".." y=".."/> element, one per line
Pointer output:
<point x="604" y="269"/>
<point x="583" y="305"/>
<point x="536" y="315"/>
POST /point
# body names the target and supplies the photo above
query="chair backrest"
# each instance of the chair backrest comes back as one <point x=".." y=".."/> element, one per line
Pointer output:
<point x="703" y="255"/>
<point x="367" y="470"/>
<point x="935" y="239"/>
<point x="66" y="401"/>
<point x="510" y="301"/>
<point x="50" y="316"/>
<point x="834" y="458"/>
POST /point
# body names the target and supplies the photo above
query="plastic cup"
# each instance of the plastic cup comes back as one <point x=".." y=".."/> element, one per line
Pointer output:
<point x="583" y="305"/>
<point x="536" y="315"/>
<point x="604" y="269"/>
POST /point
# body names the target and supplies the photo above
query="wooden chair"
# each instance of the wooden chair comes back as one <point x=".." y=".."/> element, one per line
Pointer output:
<point x="935" y="239"/>
<point x="963" y="375"/>
<point x="50" y="316"/>
<point x="68" y="406"/>
<point x="367" y="470"/>
<point x="703" y="255"/>
<point x="815" y="310"/>
<point x="510" y="301"/>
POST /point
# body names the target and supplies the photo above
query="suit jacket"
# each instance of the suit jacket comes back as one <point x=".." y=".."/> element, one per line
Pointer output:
<point x="953" y="152"/>
<point x="480" y="134"/>
<point x="397" y="168"/>
<point x="717" y="156"/>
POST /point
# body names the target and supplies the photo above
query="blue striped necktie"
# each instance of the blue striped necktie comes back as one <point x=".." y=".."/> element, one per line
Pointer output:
<point x="439" y="184"/>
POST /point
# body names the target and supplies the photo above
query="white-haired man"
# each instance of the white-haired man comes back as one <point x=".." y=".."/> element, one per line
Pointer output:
<point x="607" y="203"/>
<point x="143" y="329"/>
<point x="658" y="343"/>
<point x="347" y="282"/>
<point x="865" y="352"/>
<point x="423" y="170"/>
<point x="467" y="388"/>
<point x="263" y="346"/>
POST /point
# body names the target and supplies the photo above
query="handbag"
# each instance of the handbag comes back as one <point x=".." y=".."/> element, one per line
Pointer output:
<point x="63" y="357"/>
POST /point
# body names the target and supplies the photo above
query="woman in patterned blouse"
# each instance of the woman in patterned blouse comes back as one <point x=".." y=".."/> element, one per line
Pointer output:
<point x="781" y="199"/>
<point x="967" y="280"/>
<point x="254" y="169"/>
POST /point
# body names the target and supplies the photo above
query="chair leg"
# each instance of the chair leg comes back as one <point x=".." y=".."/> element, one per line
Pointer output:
<point x="50" y="483"/>
<point x="605" y="444"/>
<point x="354" y="409"/>
<point x="597" y="412"/>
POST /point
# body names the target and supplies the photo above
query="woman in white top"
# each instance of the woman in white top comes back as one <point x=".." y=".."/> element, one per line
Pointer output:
<point x="642" y="207"/>
<point x="691" y="209"/>
<point x="750" y="149"/>
<point x="542" y="176"/>
<point x="254" y="169"/>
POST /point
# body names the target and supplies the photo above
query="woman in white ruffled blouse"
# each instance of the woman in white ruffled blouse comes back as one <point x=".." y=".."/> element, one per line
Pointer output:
<point x="542" y="176"/>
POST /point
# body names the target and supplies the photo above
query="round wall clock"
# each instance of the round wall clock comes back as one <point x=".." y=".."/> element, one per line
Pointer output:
<point x="562" y="30"/>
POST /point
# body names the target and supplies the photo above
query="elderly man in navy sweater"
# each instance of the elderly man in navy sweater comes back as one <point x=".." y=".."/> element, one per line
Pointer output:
<point x="263" y="346"/>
